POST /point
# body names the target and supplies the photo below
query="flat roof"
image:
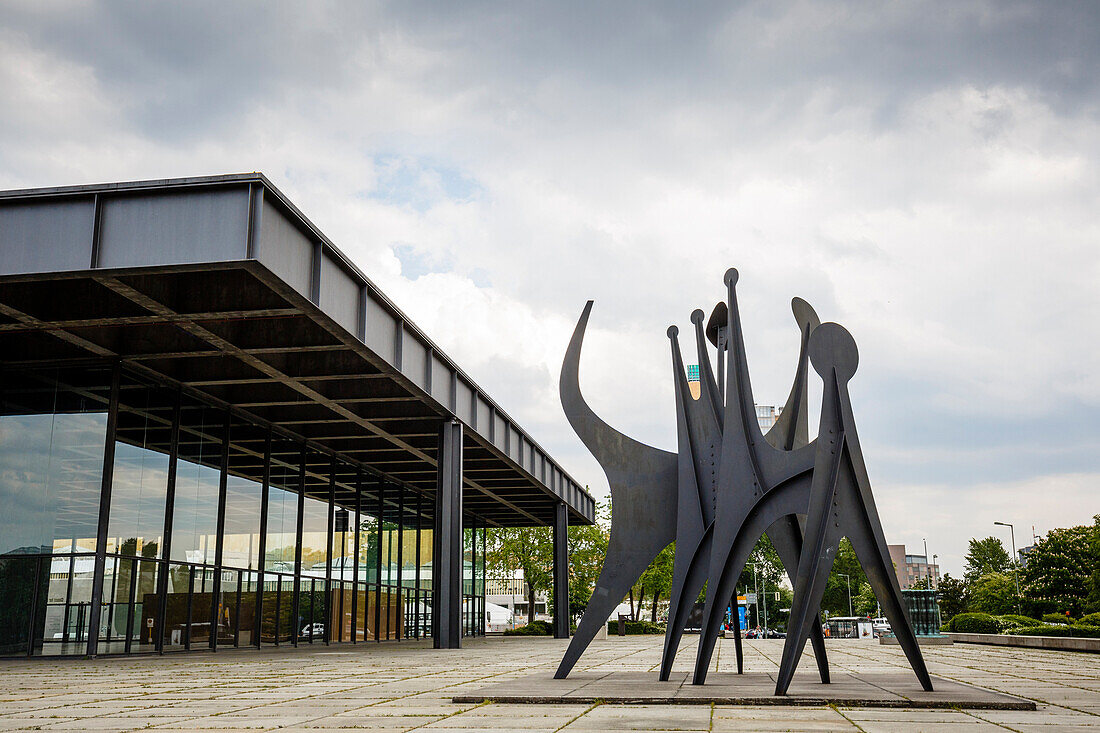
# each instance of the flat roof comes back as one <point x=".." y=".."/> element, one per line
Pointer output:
<point x="221" y="285"/>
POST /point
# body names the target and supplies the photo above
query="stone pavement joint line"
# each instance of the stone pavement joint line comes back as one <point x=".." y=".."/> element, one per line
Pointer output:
<point x="409" y="686"/>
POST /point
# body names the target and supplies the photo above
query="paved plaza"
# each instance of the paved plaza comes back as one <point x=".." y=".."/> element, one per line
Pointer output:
<point x="409" y="686"/>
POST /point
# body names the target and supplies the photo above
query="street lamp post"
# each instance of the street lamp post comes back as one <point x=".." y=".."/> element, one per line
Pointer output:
<point x="756" y="588"/>
<point x="1015" y="564"/>
<point x="849" y="582"/>
<point x="932" y="572"/>
<point x="928" y="569"/>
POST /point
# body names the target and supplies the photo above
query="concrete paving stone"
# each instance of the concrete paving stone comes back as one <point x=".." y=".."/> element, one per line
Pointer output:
<point x="1038" y="728"/>
<point x="886" y="715"/>
<point x="19" y="723"/>
<point x="781" y="723"/>
<point x="102" y="723"/>
<point x="770" y="711"/>
<point x="974" y="726"/>
<point x="391" y="687"/>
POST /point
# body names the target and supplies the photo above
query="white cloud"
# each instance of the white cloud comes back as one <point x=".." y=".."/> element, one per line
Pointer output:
<point x="935" y="194"/>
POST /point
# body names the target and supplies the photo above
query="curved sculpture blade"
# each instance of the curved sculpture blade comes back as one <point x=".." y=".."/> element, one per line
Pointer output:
<point x="699" y="436"/>
<point x="643" y="484"/>
<point x="750" y="467"/>
<point x="841" y="505"/>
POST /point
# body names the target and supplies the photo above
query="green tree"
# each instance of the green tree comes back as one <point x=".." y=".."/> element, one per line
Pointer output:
<point x="1093" y="604"/>
<point x="986" y="556"/>
<point x="529" y="549"/>
<point x="1061" y="570"/>
<point x="656" y="581"/>
<point x="994" y="593"/>
<point x="954" y="596"/>
<point x="835" y="600"/>
<point x="865" y="603"/>
<point x="768" y="577"/>
<point x="587" y="550"/>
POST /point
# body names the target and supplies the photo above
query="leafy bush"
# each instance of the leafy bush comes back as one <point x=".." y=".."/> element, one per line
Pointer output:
<point x="1092" y="619"/>
<point x="973" y="623"/>
<point x="634" y="628"/>
<point x="1014" y="621"/>
<point x="1056" y="618"/>
<point x="1079" y="632"/>
<point x="535" y="628"/>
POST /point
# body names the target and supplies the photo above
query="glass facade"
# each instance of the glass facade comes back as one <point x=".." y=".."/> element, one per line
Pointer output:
<point x="137" y="519"/>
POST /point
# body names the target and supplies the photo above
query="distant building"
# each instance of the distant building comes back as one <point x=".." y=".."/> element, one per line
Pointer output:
<point x="693" y="380"/>
<point x="766" y="415"/>
<point x="1023" y="553"/>
<point x="913" y="568"/>
<point x="511" y="593"/>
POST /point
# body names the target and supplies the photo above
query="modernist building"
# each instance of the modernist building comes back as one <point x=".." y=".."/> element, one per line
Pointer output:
<point x="912" y="569"/>
<point x="216" y="432"/>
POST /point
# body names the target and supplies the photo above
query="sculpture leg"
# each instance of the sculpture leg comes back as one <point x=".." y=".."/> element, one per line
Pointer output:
<point x="879" y="575"/>
<point x="809" y="589"/>
<point x="682" y="601"/>
<point x="737" y="646"/>
<point x="786" y="538"/>
<point x="614" y="583"/>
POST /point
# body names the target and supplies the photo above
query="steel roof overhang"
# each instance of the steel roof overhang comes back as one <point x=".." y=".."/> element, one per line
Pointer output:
<point x="221" y="286"/>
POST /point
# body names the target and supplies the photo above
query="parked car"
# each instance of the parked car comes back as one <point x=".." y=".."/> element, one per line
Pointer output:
<point x="315" y="631"/>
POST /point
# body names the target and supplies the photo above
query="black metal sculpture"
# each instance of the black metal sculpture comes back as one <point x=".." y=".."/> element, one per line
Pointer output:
<point x="728" y="484"/>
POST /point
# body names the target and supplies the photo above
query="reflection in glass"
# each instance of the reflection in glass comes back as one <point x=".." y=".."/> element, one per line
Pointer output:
<point x="51" y="472"/>
<point x="195" y="516"/>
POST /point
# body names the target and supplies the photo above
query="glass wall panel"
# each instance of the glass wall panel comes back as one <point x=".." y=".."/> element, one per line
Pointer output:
<point x="52" y="431"/>
<point x="241" y="543"/>
<point x="187" y="607"/>
<point x="140" y="472"/>
<point x="195" y="517"/>
<point x="313" y="606"/>
<point x="243" y="496"/>
<point x="282" y="507"/>
<point x="21" y="581"/>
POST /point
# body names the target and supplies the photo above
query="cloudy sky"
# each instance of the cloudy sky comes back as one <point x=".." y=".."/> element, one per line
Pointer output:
<point x="925" y="174"/>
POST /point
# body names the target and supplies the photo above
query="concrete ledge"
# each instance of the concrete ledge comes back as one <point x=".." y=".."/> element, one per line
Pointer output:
<point x="940" y="640"/>
<point x="1060" y="643"/>
<point x="847" y="689"/>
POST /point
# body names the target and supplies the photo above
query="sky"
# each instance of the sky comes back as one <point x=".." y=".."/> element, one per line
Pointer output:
<point x="926" y="174"/>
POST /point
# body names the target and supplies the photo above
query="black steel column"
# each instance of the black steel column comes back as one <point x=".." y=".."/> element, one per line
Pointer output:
<point x="417" y="594"/>
<point x="169" y="513"/>
<point x="328" y="550"/>
<point x="484" y="580"/>
<point x="400" y="615"/>
<point x="216" y="582"/>
<point x="447" y="542"/>
<point x="561" y="571"/>
<point x="265" y="499"/>
<point x="378" y="565"/>
<point x="104" y="516"/>
<point x="355" y="567"/>
<point x="296" y="604"/>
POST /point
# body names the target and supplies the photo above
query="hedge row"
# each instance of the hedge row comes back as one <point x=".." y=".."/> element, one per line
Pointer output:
<point x="973" y="623"/>
<point x="1078" y="631"/>
<point x="535" y="628"/>
<point x="636" y="627"/>
<point x="983" y="623"/>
